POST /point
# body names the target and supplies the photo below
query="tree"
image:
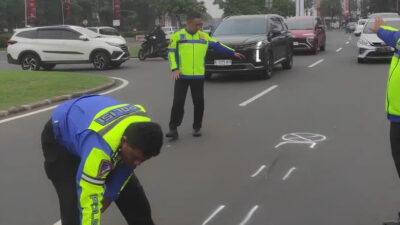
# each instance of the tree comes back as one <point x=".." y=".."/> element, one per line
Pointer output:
<point x="240" y="7"/>
<point x="331" y="8"/>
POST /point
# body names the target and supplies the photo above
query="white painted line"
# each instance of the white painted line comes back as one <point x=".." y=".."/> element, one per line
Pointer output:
<point x="339" y="49"/>
<point x="347" y="42"/>
<point x="316" y="63"/>
<point x="258" y="171"/>
<point x="221" y="207"/>
<point x="58" y="223"/>
<point x="257" y="96"/>
<point x="288" y="173"/>
<point x="125" y="83"/>
<point x="249" y="215"/>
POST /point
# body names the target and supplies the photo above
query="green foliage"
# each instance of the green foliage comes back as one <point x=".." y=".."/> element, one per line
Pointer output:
<point x="240" y="7"/>
<point x="4" y="38"/>
<point x="331" y="8"/>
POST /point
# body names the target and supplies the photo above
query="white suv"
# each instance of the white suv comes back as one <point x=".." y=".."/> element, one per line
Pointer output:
<point x="45" y="47"/>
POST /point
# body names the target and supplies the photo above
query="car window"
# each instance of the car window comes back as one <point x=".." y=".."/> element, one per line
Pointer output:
<point x="371" y="24"/>
<point x="27" y="34"/>
<point x="276" y="24"/>
<point x="93" y="29"/>
<point x="70" y="35"/>
<point x="283" y="24"/>
<point x="109" y="31"/>
<point x="242" y="26"/>
<point x="300" y="24"/>
<point x="49" y="34"/>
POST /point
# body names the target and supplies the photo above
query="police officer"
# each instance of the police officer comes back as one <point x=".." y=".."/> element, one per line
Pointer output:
<point x="187" y="52"/>
<point x="391" y="36"/>
<point x="91" y="146"/>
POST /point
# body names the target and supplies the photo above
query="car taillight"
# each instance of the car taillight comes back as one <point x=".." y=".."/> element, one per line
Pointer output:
<point x="11" y="42"/>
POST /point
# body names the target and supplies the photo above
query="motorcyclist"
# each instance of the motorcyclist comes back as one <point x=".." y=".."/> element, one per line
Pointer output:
<point x="159" y="40"/>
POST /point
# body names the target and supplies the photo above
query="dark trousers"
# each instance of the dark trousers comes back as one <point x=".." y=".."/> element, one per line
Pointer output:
<point x="180" y="90"/>
<point x="61" y="168"/>
<point x="395" y="144"/>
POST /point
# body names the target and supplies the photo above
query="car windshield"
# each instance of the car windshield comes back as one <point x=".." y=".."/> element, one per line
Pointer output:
<point x="109" y="31"/>
<point x="361" y="22"/>
<point x="242" y="26"/>
<point x="371" y="24"/>
<point x="296" y="24"/>
<point x="87" y="32"/>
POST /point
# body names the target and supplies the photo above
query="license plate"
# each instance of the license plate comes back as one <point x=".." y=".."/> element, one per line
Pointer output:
<point x="295" y="43"/>
<point x="223" y="62"/>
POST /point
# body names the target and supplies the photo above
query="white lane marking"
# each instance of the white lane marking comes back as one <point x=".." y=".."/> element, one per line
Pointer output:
<point x="288" y="173"/>
<point x="339" y="49"/>
<point x="257" y="96"/>
<point x="347" y="42"/>
<point x="249" y="215"/>
<point x="58" y="223"/>
<point x="316" y="63"/>
<point x="221" y="207"/>
<point x="125" y="83"/>
<point x="258" y="171"/>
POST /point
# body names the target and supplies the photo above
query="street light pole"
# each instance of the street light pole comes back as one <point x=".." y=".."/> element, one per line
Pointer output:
<point x="62" y="10"/>
<point x="26" y="16"/>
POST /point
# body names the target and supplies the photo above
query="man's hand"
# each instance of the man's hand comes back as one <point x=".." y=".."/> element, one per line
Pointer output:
<point x="176" y="74"/>
<point x="378" y="23"/>
<point x="105" y="202"/>
<point x="239" y="56"/>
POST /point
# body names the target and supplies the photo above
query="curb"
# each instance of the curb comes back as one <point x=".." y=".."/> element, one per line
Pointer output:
<point x="34" y="105"/>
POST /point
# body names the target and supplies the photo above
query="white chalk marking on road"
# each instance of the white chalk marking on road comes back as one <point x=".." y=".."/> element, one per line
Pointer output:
<point x="339" y="49"/>
<point x="58" y="223"/>
<point x="347" y="42"/>
<point x="125" y="83"/>
<point x="258" y="171"/>
<point x="288" y="173"/>
<point x="316" y="63"/>
<point x="249" y="215"/>
<point x="350" y="38"/>
<point x="221" y="207"/>
<point x="301" y="138"/>
<point x="257" y="96"/>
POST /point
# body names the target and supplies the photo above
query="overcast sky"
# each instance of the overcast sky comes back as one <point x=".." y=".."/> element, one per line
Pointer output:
<point x="212" y="9"/>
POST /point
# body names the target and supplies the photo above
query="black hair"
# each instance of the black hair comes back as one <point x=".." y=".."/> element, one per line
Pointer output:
<point x="193" y="15"/>
<point x="146" y="136"/>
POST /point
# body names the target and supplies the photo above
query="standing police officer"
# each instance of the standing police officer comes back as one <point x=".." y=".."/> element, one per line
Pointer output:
<point x="187" y="52"/>
<point x="391" y="36"/>
<point x="91" y="146"/>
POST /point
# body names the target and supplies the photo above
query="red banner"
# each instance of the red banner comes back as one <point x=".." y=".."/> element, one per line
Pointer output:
<point x="117" y="10"/>
<point x="31" y="9"/>
<point x="67" y="9"/>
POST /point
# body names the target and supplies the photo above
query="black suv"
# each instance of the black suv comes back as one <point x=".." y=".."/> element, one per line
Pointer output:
<point x="263" y="39"/>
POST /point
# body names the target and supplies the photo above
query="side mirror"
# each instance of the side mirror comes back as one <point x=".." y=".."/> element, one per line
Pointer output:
<point x="83" y="38"/>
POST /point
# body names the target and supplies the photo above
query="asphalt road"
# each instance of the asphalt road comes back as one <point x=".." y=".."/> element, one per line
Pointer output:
<point x="241" y="171"/>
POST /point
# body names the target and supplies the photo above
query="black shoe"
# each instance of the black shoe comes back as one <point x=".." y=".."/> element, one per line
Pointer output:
<point x="173" y="133"/>
<point x="196" y="132"/>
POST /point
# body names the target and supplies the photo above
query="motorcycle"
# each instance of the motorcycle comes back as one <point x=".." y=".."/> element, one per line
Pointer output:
<point x="148" y="50"/>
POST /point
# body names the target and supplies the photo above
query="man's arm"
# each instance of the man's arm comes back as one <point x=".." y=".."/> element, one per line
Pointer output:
<point x="388" y="34"/>
<point x="172" y="55"/>
<point x="119" y="177"/>
<point x="94" y="167"/>
<point x="219" y="47"/>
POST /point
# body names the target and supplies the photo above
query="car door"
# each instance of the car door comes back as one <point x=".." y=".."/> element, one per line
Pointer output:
<point x="78" y="50"/>
<point x="278" y="40"/>
<point x="50" y="44"/>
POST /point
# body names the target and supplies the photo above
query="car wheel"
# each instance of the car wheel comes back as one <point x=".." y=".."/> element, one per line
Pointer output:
<point x="116" y="64"/>
<point x="314" y="51"/>
<point x="141" y="55"/>
<point x="269" y="66"/>
<point x="101" y="61"/>
<point x="208" y="75"/>
<point x="288" y="64"/>
<point x="359" y="60"/>
<point x="322" y="48"/>
<point x="48" y="66"/>
<point x="30" y="62"/>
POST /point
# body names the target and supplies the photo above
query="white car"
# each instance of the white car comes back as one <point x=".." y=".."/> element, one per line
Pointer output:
<point x="370" y="46"/>
<point x="169" y="31"/>
<point x="33" y="48"/>
<point x="360" y="27"/>
<point x="107" y="32"/>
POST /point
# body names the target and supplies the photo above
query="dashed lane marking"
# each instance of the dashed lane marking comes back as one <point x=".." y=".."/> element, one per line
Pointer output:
<point x="257" y="96"/>
<point x="221" y="207"/>
<point x="316" y="63"/>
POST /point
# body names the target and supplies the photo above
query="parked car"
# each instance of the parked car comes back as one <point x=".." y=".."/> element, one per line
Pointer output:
<point x="360" y="27"/>
<point x="370" y="46"/>
<point x="107" y="32"/>
<point x="169" y="31"/>
<point x="350" y="27"/>
<point x="45" y="47"/>
<point x="263" y="39"/>
<point x="308" y="33"/>
<point x="384" y="15"/>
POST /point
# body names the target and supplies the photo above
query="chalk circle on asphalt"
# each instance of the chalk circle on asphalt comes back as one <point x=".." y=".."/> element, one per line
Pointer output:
<point x="301" y="138"/>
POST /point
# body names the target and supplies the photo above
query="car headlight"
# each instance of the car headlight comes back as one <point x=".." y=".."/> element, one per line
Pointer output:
<point x="310" y="39"/>
<point x="362" y="41"/>
<point x="113" y="44"/>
